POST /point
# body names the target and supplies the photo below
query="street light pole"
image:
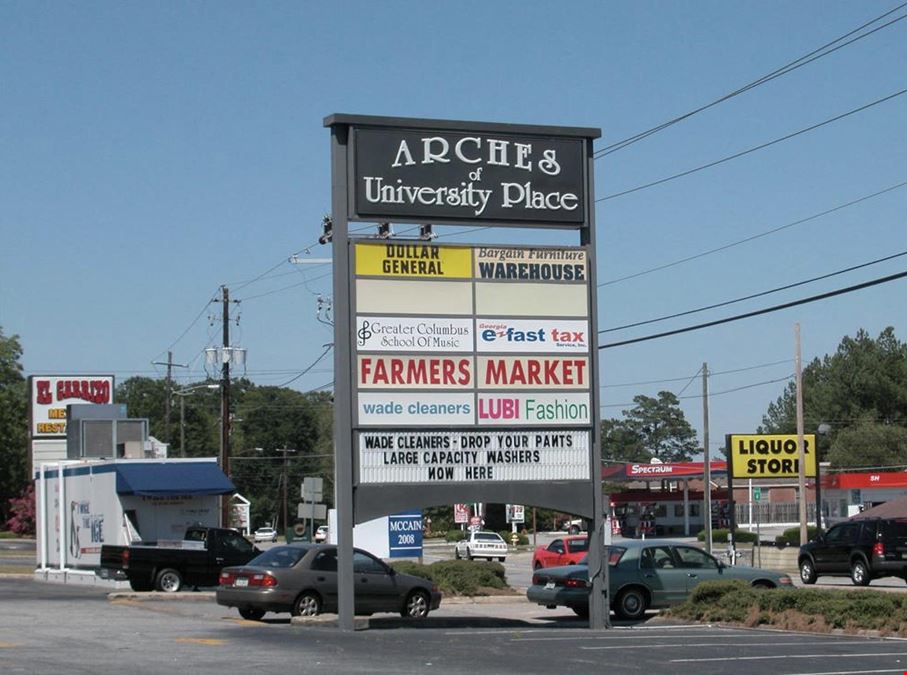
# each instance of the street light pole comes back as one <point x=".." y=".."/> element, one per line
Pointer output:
<point x="183" y="393"/>
<point x="286" y="480"/>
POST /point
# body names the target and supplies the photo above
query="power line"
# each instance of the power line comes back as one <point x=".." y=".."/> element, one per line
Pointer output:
<point x="754" y="295"/>
<point x="753" y="237"/>
<point x="767" y="310"/>
<point x="327" y="348"/>
<point x="814" y="55"/>
<point x="192" y="323"/>
<point x="715" y="393"/>
<point x="753" y="149"/>
<point x="686" y="377"/>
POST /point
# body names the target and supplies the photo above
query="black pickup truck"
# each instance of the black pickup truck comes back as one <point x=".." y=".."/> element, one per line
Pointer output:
<point x="167" y="566"/>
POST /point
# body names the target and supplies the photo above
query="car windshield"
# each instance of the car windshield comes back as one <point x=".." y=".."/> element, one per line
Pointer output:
<point x="488" y="536"/>
<point x="282" y="556"/>
<point x="615" y="553"/>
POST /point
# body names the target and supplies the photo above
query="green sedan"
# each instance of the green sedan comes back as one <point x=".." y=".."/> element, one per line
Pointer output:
<point x="644" y="575"/>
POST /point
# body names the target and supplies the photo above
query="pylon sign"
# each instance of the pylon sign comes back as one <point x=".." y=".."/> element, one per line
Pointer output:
<point x="463" y="373"/>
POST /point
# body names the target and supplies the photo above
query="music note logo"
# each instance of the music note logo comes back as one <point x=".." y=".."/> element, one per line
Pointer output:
<point x="364" y="333"/>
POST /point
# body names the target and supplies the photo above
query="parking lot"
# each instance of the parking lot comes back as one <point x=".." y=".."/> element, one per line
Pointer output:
<point x="47" y="628"/>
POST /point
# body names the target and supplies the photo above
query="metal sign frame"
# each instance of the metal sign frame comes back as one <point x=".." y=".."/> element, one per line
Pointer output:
<point x="356" y="503"/>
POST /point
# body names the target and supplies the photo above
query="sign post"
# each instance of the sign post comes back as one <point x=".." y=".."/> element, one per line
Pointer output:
<point x="463" y="373"/>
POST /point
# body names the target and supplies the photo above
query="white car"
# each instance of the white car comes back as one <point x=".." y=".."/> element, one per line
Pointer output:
<point x="482" y="545"/>
<point x="265" y="534"/>
<point x="321" y="534"/>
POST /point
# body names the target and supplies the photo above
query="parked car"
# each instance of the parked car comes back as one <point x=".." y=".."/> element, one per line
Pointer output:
<point x="643" y="575"/>
<point x="194" y="560"/>
<point x="574" y="526"/>
<point x="861" y="549"/>
<point x="321" y="534"/>
<point x="560" y="552"/>
<point x="302" y="579"/>
<point x="481" y="545"/>
<point x="265" y="534"/>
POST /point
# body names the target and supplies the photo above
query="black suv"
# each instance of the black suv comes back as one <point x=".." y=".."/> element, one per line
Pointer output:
<point x="862" y="549"/>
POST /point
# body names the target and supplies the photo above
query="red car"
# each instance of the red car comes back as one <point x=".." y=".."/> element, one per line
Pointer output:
<point x="562" y="551"/>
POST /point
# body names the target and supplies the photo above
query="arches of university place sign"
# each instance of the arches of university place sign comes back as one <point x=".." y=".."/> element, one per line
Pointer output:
<point x="464" y="372"/>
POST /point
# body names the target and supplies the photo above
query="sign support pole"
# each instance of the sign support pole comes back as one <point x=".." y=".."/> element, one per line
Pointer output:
<point x="343" y="432"/>
<point x="600" y="596"/>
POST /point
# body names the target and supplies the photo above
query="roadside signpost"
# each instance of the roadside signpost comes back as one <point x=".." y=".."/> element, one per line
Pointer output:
<point x="464" y="373"/>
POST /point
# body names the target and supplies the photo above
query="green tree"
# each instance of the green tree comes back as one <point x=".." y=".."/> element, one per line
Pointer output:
<point x="13" y="424"/>
<point x="869" y="443"/>
<point x="654" y="427"/>
<point x="269" y="420"/>
<point x="865" y="379"/>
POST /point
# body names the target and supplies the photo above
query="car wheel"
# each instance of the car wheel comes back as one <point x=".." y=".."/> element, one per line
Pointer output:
<point x="468" y="554"/>
<point x="502" y="559"/>
<point x="457" y="554"/>
<point x="537" y="565"/>
<point x="582" y="612"/>
<point x="859" y="573"/>
<point x="307" y="604"/>
<point x="251" y="614"/>
<point x="763" y="585"/>
<point x="169" y="580"/>
<point x="417" y="605"/>
<point x="807" y="571"/>
<point x="631" y="604"/>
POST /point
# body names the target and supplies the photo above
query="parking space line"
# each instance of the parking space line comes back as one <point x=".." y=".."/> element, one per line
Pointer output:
<point x="724" y="643"/>
<point x="853" y="672"/>
<point x="824" y="655"/>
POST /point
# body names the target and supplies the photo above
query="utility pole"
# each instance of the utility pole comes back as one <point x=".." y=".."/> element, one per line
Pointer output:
<point x="225" y="404"/>
<point x="801" y="473"/>
<point x="706" y="466"/>
<point x="167" y="402"/>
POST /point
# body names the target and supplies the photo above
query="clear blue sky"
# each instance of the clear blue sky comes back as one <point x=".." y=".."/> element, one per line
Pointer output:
<point x="154" y="151"/>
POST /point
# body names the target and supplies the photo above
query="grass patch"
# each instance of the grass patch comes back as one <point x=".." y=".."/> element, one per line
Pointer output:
<point x="811" y="609"/>
<point x="459" y="577"/>
<point x="6" y="534"/>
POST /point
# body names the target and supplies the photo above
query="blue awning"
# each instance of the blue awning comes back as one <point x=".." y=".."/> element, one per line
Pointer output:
<point x="178" y="478"/>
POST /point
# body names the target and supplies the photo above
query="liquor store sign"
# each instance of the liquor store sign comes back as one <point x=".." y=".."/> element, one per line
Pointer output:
<point x="771" y="455"/>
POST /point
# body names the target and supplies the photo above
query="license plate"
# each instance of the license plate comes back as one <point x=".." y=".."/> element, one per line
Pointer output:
<point x="242" y="582"/>
<point x="549" y="585"/>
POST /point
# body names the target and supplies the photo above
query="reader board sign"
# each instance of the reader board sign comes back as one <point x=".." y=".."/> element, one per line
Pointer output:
<point x="771" y="455"/>
<point x="49" y="396"/>
<point x="436" y="175"/>
<point x="404" y="532"/>
<point x="444" y="456"/>
<point x="516" y="513"/>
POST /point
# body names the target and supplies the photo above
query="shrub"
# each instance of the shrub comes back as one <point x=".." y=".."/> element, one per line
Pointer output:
<point x="719" y="536"/>
<point x="791" y="536"/>
<point x="816" y="609"/>
<point x="455" y="535"/>
<point x="22" y="507"/>
<point x="458" y="577"/>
